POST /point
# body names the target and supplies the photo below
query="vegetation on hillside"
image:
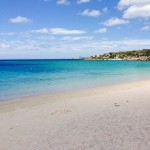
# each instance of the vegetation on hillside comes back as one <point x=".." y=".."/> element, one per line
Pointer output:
<point x="125" y="55"/>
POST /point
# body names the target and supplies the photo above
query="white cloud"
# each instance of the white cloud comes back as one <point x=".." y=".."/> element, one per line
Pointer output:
<point x="63" y="49"/>
<point x="135" y="8"/>
<point x="83" y="1"/>
<point x="135" y="42"/>
<point x="4" y="45"/>
<point x="105" y="10"/>
<point x="43" y="31"/>
<point x="115" y="21"/>
<point x="102" y="30"/>
<point x="20" y="20"/>
<point x="58" y="31"/>
<point x="91" y="13"/>
<point x="46" y="37"/>
<point x="77" y="38"/>
<point x="146" y="28"/>
<point x="63" y="2"/>
<point x="137" y="12"/>
<point x="126" y="3"/>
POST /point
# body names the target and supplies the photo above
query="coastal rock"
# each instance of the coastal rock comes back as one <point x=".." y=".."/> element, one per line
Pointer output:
<point x="148" y="58"/>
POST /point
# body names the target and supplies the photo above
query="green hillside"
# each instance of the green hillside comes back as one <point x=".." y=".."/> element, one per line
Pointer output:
<point x="124" y="55"/>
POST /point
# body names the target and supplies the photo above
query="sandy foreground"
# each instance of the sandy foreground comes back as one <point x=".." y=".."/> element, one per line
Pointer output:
<point x="110" y="118"/>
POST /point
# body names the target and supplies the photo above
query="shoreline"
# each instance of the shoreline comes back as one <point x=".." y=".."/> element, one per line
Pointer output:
<point x="52" y="97"/>
<point x="114" y="117"/>
<point x="76" y="91"/>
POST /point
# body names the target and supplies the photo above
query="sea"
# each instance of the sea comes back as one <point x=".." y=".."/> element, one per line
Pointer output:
<point x="20" y="78"/>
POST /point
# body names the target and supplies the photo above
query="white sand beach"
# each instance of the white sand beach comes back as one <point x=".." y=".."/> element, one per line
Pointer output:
<point x="109" y="118"/>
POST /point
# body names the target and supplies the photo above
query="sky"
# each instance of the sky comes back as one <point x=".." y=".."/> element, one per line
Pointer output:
<point x="38" y="29"/>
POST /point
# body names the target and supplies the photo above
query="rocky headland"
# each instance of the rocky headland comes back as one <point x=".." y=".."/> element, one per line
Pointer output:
<point x="124" y="55"/>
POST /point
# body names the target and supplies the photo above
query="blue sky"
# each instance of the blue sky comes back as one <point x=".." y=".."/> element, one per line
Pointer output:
<point x="72" y="28"/>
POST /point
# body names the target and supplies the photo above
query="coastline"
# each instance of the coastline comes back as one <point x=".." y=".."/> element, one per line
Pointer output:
<point x="113" y="117"/>
<point x="51" y="97"/>
<point x="42" y="77"/>
<point x="134" y="55"/>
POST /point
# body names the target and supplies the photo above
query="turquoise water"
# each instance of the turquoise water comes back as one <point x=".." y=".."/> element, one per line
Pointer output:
<point x="20" y="78"/>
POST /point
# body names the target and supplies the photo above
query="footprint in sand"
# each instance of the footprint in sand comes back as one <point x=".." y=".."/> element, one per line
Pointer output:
<point x="117" y="105"/>
<point x="61" y="111"/>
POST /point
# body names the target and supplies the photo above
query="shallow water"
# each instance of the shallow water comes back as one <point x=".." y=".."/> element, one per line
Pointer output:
<point x="20" y="78"/>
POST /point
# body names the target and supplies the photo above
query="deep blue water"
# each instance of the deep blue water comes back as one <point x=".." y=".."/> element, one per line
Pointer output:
<point x="31" y="77"/>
